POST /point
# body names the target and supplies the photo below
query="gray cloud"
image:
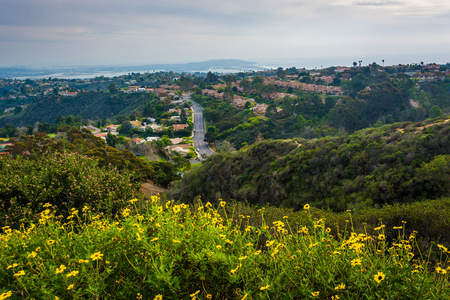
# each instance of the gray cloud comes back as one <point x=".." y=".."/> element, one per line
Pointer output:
<point x="142" y="31"/>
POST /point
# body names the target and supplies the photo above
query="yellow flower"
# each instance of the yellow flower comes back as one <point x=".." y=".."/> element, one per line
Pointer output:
<point x="5" y="295"/>
<point x="257" y="252"/>
<point x="243" y="257"/>
<point x="154" y="239"/>
<point x="381" y="237"/>
<point x="47" y="205"/>
<point x="356" y="262"/>
<point x="12" y="266"/>
<point x="235" y="270"/>
<point x="442" y="248"/>
<point x="83" y="261"/>
<point x="20" y="273"/>
<point x="70" y="287"/>
<point x="222" y="203"/>
<point x="195" y="294"/>
<point x="32" y="254"/>
<point x="96" y="255"/>
<point x="138" y="296"/>
<point x="264" y="287"/>
<point x="219" y="247"/>
<point x="379" y="277"/>
<point x="158" y="297"/>
<point x="133" y="200"/>
<point x="208" y="296"/>
<point x="340" y="287"/>
<point x="50" y="242"/>
<point x="176" y="241"/>
<point x="269" y="243"/>
<point x="306" y="206"/>
<point x="60" y="269"/>
<point x="176" y="209"/>
<point x="398" y="227"/>
<point x="315" y="294"/>
<point x="73" y="273"/>
<point x="336" y="297"/>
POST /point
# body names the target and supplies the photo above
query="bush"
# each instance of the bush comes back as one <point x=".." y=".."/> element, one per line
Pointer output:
<point x="162" y="250"/>
<point x="65" y="180"/>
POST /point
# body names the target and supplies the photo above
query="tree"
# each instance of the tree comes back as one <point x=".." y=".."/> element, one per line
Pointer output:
<point x="111" y="139"/>
<point x="435" y="112"/>
<point x="126" y="127"/>
<point x="112" y="88"/>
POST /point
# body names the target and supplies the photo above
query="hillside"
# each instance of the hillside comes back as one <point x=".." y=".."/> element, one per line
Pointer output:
<point x="89" y="105"/>
<point x="397" y="163"/>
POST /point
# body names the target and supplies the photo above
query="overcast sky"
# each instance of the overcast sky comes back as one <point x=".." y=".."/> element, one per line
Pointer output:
<point x="118" y="32"/>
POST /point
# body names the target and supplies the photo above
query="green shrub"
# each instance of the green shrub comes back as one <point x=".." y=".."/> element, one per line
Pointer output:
<point x="162" y="250"/>
<point x="65" y="180"/>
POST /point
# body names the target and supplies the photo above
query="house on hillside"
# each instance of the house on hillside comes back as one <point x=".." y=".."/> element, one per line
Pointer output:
<point x="180" y="126"/>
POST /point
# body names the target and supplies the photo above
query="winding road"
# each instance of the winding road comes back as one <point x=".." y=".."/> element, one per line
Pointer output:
<point x="199" y="129"/>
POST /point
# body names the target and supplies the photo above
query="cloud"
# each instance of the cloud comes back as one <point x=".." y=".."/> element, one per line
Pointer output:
<point x="181" y="30"/>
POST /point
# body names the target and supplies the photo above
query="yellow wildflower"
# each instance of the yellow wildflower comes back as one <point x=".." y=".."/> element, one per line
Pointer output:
<point x="96" y="255"/>
<point x="257" y="252"/>
<point x="219" y="247"/>
<point x="12" y="266"/>
<point x="158" y="297"/>
<point x="222" y="203"/>
<point x="340" y="287"/>
<point x="195" y="294"/>
<point x="315" y="294"/>
<point x="269" y="243"/>
<point x="60" y="269"/>
<point x="356" y="262"/>
<point x="176" y="209"/>
<point x="306" y="206"/>
<point x="243" y="257"/>
<point x="32" y="254"/>
<point x="154" y="239"/>
<point x="83" y="261"/>
<point x="379" y="277"/>
<point x="264" y="287"/>
<point x="336" y="297"/>
<point x="73" y="273"/>
<point x="5" y="295"/>
<point x="138" y="296"/>
<point x="176" y="241"/>
<point x="50" y="242"/>
<point x="208" y="296"/>
<point x="381" y="237"/>
<point x="133" y="200"/>
<point x="20" y="273"/>
<point x="70" y="287"/>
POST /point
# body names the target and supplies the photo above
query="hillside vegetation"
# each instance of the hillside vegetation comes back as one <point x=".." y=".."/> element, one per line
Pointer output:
<point x="397" y="163"/>
<point x="163" y="250"/>
<point x="89" y="105"/>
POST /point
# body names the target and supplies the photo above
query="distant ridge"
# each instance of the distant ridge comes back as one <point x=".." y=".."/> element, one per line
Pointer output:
<point x="215" y="65"/>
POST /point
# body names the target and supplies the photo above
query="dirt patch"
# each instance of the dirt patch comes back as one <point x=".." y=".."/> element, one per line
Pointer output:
<point x="422" y="127"/>
<point x="149" y="188"/>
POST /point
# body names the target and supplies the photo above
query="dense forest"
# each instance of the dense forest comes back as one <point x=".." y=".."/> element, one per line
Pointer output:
<point x="397" y="163"/>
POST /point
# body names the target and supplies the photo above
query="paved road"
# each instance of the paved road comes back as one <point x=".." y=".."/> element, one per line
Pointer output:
<point x="199" y="129"/>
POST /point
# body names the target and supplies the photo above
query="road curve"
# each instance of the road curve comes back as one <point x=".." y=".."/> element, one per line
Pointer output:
<point x="199" y="129"/>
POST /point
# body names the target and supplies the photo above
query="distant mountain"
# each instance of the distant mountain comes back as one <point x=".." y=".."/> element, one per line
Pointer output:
<point x="217" y="65"/>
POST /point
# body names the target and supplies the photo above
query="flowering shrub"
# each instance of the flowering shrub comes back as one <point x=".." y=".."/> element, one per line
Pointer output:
<point x="65" y="180"/>
<point x="162" y="250"/>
